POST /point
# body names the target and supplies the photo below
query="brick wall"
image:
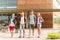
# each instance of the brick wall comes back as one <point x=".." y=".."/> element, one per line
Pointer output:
<point x="48" y="16"/>
<point x="35" y="4"/>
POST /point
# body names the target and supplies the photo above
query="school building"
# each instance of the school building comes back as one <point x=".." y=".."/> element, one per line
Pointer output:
<point x="45" y="7"/>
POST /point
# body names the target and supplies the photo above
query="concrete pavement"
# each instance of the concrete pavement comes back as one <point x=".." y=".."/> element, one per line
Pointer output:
<point x="43" y="36"/>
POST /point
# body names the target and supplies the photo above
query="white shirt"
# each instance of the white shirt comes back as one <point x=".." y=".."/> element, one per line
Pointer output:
<point x="22" y="20"/>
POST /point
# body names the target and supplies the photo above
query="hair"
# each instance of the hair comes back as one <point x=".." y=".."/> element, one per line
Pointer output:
<point x="31" y="10"/>
<point x="12" y="14"/>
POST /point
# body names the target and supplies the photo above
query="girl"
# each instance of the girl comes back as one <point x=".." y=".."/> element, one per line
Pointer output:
<point x="39" y="23"/>
<point x="12" y="24"/>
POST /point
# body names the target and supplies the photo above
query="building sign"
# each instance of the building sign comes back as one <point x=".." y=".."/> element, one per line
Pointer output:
<point x="8" y="4"/>
<point x="35" y="4"/>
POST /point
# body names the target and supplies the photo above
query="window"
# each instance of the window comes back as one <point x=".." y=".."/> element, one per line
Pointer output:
<point x="56" y="4"/>
<point x="8" y="4"/>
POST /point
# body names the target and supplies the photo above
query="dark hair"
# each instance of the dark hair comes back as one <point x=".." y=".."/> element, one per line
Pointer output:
<point x="31" y="10"/>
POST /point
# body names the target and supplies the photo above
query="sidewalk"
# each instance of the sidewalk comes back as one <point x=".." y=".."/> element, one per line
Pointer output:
<point x="44" y="33"/>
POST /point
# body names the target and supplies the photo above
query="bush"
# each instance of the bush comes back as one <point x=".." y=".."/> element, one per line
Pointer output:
<point x="53" y="36"/>
<point x="59" y="31"/>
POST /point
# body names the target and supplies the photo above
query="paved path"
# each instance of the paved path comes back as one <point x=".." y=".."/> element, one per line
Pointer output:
<point x="44" y="33"/>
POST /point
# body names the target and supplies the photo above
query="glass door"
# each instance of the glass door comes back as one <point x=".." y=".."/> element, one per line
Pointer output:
<point x="56" y="20"/>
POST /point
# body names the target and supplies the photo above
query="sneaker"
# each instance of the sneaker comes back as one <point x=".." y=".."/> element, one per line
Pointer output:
<point x="38" y="37"/>
<point x="28" y="37"/>
<point x="19" y="36"/>
<point x="11" y="36"/>
<point x="23" y="36"/>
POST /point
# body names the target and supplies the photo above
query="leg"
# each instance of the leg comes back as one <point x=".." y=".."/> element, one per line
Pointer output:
<point x="20" y="30"/>
<point x="29" y="30"/>
<point x="39" y="31"/>
<point x="32" y="30"/>
<point x="11" y="31"/>
<point x="23" y="30"/>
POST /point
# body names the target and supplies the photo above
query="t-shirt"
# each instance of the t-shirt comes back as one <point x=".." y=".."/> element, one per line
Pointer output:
<point x="39" y="20"/>
<point x="11" y="22"/>
<point x="32" y="18"/>
<point x="22" y="20"/>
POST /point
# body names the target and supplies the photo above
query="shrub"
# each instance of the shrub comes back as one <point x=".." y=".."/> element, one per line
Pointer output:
<point x="53" y="36"/>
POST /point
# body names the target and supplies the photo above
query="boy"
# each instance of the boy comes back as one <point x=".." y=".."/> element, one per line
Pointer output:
<point x="31" y="23"/>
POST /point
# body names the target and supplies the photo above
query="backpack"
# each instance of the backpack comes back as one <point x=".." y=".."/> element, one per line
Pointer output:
<point x="40" y="19"/>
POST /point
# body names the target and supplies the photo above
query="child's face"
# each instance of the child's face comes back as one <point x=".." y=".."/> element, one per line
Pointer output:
<point x="22" y="13"/>
<point x="13" y="15"/>
<point x="32" y="12"/>
<point x="38" y="14"/>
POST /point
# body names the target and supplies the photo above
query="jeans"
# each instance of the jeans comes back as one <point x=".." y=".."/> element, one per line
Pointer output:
<point x="22" y="28"/>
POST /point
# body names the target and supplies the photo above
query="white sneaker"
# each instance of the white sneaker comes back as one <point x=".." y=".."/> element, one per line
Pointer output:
<point x="19" y="36"/>
<point x="38" y="37"/>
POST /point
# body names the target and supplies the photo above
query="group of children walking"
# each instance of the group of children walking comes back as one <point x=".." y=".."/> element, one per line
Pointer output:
<point x="32" y="19"/>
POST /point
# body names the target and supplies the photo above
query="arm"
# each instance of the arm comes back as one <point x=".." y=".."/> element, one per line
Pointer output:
<point x="42" y="19"/>
<point x="8" y="21"/>
<point x="15" y="20"/>
<point x="28" y="20"/>
<point x="34" y="20"/>
<point x="25" y="19"/>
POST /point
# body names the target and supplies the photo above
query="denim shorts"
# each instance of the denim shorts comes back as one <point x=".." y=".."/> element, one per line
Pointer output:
<point x="39" y="24"/>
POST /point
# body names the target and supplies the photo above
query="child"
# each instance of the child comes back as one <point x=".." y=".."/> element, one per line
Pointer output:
<point x="12" y="24"/>
<point x="31" y="23"/>
<point x="39" y="23"/>
<point x="22" y="25"/>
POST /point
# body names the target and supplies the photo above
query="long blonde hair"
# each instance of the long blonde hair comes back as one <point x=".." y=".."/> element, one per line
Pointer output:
<point x="41" y="19"/>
